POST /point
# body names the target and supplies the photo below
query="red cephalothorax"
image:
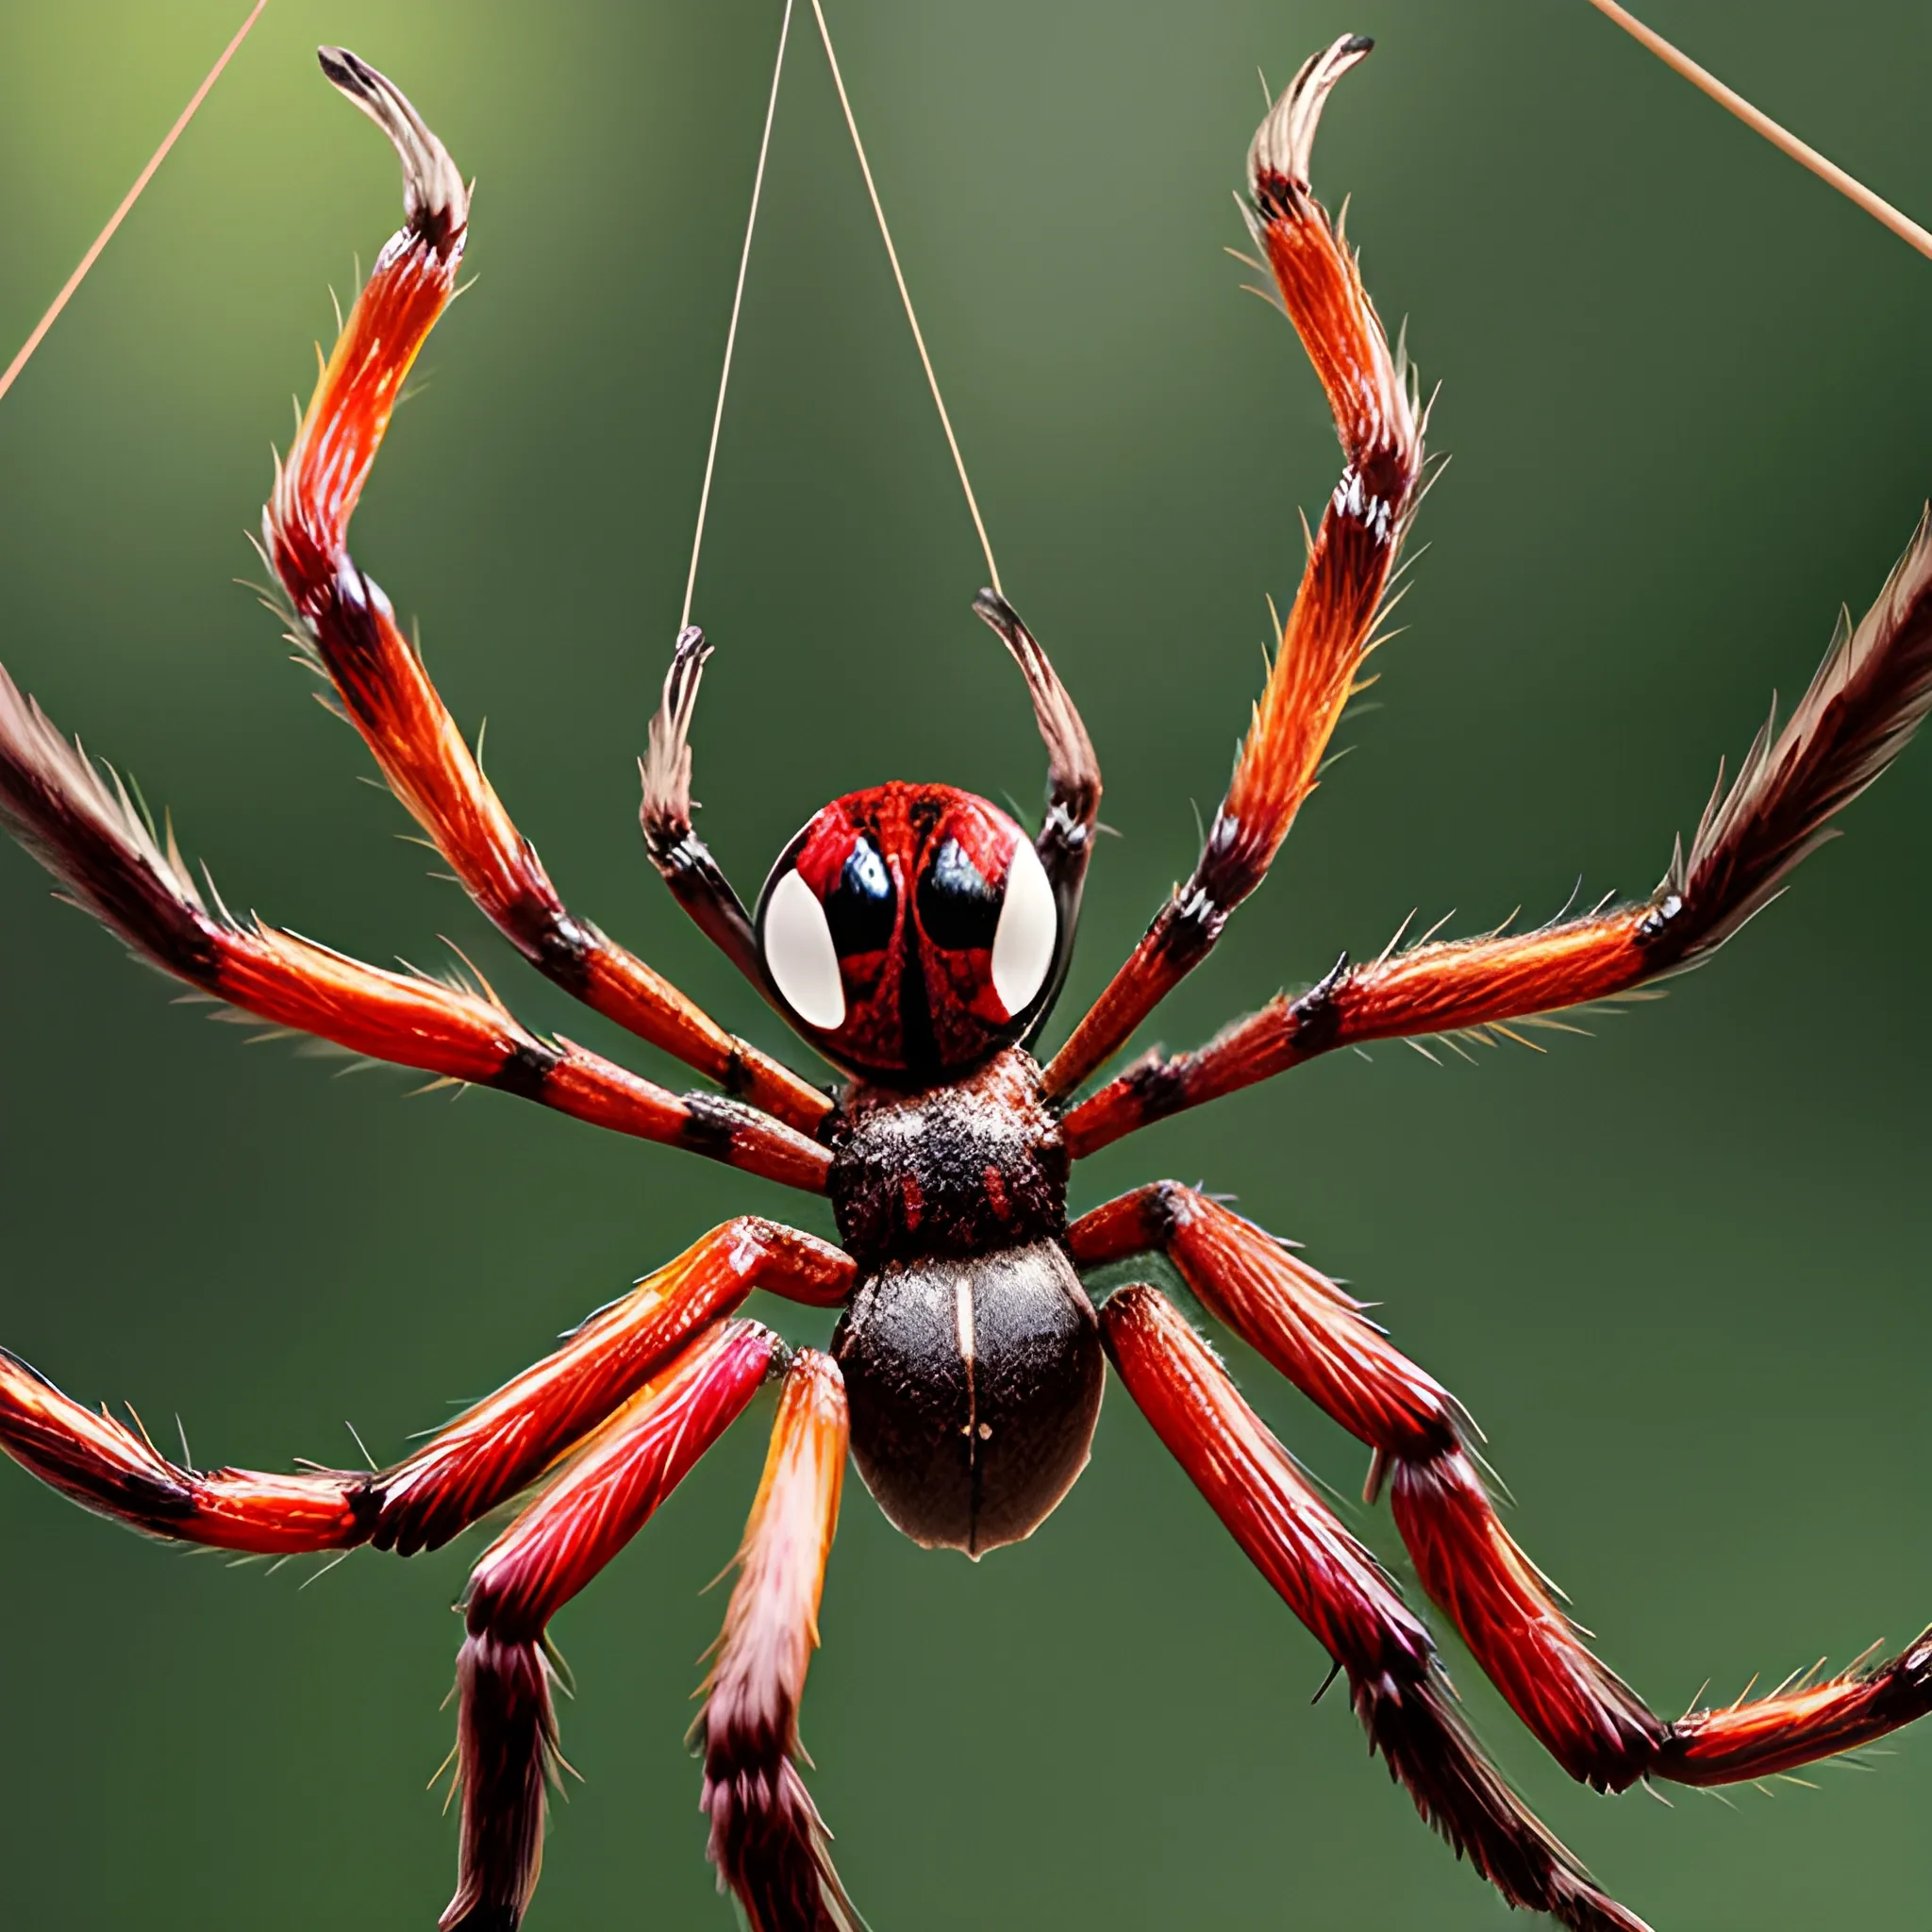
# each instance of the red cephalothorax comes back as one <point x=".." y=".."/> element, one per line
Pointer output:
<point x="917" y="939"/>
<point x="911" y="929"/>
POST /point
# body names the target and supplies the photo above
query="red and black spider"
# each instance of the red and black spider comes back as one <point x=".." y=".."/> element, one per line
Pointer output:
<point x="916" y="938"/>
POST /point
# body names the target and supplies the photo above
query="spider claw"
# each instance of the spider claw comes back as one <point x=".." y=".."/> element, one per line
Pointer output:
<point x="434" y="196"/>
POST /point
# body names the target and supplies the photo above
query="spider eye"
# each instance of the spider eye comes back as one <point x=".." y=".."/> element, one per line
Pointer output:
<point x="859" y="910"/>
<point x="800" y="956"/>
<point x="1028" y="931"/>
<point x="959" y="910"/>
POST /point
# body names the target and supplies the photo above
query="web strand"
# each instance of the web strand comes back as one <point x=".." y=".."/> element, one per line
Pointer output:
<point x="1759" y="121"/>
<point x="757" y="189"/>
<point x="127" y="201"/>
<point x="904" y="295"/>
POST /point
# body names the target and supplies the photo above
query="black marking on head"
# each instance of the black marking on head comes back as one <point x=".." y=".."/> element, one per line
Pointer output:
<point x="923" y="815"/>
<point x="862" y="907"/>
<point x="918" y="1044"/>
<point x="959" y="907"/>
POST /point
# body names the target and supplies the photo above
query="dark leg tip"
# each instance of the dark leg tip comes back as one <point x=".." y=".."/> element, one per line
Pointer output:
<point x="345" y="69"/>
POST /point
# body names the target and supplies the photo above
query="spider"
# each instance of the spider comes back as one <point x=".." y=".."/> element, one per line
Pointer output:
<point x="916" y="938"/>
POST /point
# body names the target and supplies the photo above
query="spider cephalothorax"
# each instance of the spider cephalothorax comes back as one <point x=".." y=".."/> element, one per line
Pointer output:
<point x="917" y="938"/>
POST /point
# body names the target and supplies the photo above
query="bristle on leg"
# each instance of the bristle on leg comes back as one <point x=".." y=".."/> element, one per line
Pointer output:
<point x="507" y="1742"/>
<point x="84" y="827"/>
<point x="343" y="626"/>
<point x="117" y="1472"/>
<point x="1432" y="1752"/>
<point x="434" y="197"/>
<point x="1590" y="1720"/>
<point x="1337" y="1588"/>
<point x="767" y="1840"/>
<point x="507" y="1758"/>
<point x="1866" y="699"/>
<point x="1346" y="575"/>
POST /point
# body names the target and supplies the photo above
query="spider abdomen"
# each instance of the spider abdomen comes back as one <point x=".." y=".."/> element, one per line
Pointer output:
<point x="975" y="1385"/>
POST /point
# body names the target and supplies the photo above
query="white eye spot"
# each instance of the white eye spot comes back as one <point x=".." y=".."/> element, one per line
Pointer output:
<point x="1023" y="945"/>
<point x="799" y="955"/>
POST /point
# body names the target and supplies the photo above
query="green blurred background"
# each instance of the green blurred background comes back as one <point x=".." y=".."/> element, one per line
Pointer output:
<point x="1677" y="1270"/>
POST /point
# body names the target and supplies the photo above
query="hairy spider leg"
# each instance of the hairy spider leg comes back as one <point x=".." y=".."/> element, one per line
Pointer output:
<point x="767" y="1839"/>
<point x="341" y="623"/>
<point x="1339" y="1591"/>
<point x="504" y="1441"/>
<point x="86" y="830"/>
<point x="1868" y="697"/>
<point x="1589" y="1720"/>
<point x="1064" y="845"/>
<point x="1352" y="555"/>
<point x="507" y="1740"/>
<point x="483" y="1457"/>
<point x="117" y="1472"/>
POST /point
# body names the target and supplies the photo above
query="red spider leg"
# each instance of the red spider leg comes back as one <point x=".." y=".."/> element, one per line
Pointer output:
<point x="1351" y="557"/>
<point x="1862" y="706"/>
<point x="116" y="1472"/>
<point x="1339" y="1591"/>
<point x="494" y="1449"/>
<point x="1591" y="1722"/>
<point x="1312" y="1331"/>
<point x="507" y="1742"/>
<point x="465" y="1470"/>
<point x="1469" y="1563"/>
<point x="1317" y="1338"/>
<point x="88" y="833"/>
<point x="767" y="1839"/>
<point x="343" y="621"/>
<point x="1752" y="1739"/>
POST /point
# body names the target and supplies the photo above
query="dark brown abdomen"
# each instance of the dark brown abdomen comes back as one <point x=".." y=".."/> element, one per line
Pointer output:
<point x="975" y="1385"/>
